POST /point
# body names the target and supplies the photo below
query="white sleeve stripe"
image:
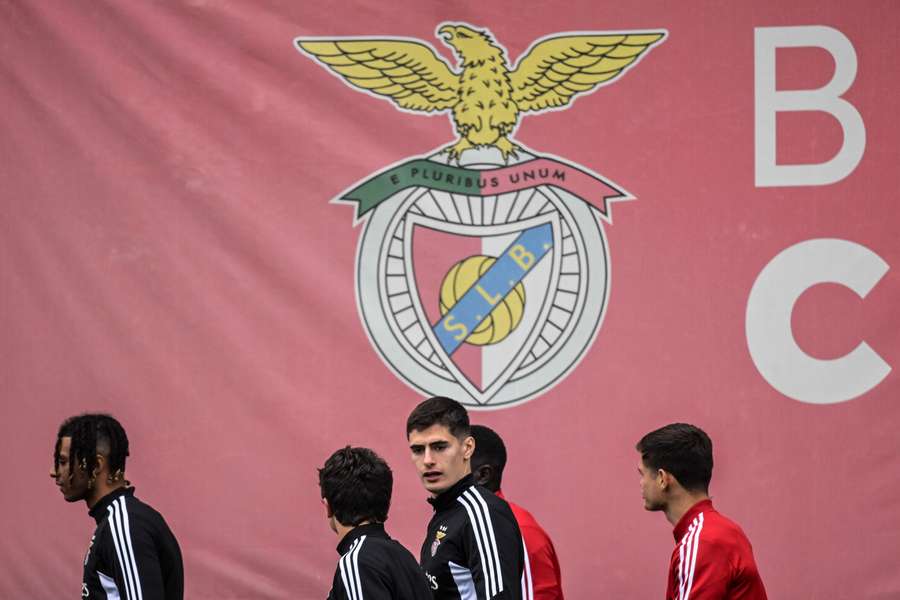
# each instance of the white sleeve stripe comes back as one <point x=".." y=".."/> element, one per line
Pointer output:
<point x="695" y="546"/>
<point x="130" y="548"/>
<point x="487" y="533"/>
<point x="127" y="550"/>
<point x="490" y="529"/>
<point x="680" y="571"/>
<point x="485" y="565"/>
<point x="490" y="585"/>
<point x="684" y="549"/>
<point x="527" y="584"/>
<point x="347" y="589"/>
<point x="112" y="520"/>
<point x="359" y="546"/>
<point x="347" y="575"/>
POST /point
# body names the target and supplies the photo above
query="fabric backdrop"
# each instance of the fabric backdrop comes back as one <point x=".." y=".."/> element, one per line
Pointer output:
<point x="170" y="252"/>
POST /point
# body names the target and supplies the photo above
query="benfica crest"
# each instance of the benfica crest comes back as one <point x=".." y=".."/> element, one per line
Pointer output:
<point x="482" y="270"/>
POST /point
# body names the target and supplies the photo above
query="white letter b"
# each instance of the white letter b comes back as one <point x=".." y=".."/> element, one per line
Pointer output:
<point x="827" y="99"/>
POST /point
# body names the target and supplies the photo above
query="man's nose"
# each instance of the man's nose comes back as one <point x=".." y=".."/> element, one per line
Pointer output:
<point x="429" y="459"/>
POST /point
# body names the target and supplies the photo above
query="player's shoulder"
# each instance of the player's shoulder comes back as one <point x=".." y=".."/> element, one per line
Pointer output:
<point x="523" y="516"/>
<point x="141" y="510"/>
<point x="382" y="552"/>
<point x="482" y="503"/>
<point x="721" y="531"/>
<point x="486" y="498"/>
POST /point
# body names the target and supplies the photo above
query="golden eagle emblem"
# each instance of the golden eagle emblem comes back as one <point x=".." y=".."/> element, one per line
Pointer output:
<point x="485" y="96"/>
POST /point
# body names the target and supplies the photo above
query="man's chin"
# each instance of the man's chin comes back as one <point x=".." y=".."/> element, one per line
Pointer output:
<point x="73" y="497"/>
<point x="435" y="489"/>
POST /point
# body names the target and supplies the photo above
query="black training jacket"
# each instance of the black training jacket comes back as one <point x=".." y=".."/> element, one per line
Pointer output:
<point x="473" y="549"/>
<point x="375" y="567"/>
<point x="133" y="554"/>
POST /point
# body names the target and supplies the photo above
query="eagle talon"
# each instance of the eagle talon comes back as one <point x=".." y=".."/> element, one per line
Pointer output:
<point x="507" y="148"/>
<point x="456" y="150"/>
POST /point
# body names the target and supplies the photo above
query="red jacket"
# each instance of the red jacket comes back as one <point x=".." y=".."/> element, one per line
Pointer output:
<point x="713" y="559"/>
<point x="542" y="579"/>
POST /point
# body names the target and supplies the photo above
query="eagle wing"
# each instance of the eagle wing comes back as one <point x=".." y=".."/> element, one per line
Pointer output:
<point x="552" y="72"/>
<point x="407" y="72"/>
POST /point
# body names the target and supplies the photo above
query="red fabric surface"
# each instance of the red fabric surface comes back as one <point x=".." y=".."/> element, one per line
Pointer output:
<point x="169" y="253"/>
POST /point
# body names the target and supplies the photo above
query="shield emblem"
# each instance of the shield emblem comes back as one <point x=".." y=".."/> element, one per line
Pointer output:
<point x="535" y="299"/>
<point x="449" y="263"/>
<point x="488" y="299"/>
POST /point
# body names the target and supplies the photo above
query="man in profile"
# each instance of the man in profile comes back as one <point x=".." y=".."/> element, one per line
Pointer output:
<point x="356" y="489"/>
<point x="472" y="548"/>
<point x="713" y="559"/>
<point x="542" y="575"/>
<point x="133" y="554"/>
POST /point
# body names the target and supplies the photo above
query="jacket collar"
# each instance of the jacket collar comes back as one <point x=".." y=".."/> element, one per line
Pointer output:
<point x="99" y="510"/>
<point x="448" y="497"/>
<point x="369" y="529"/>
<point x="685" y="521"/>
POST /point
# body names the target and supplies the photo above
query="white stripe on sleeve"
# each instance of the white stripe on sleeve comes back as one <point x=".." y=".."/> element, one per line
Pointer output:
<point x="347" y="574"/>
<point x="490" y="530"/>
<point x="359" y="545"/>
<point x="490" y="586"/>
<point x="130" y="548"/>
<point x="527" y="585"/>
<point x="112" y="521"/>
<point x="695" y="546"/>
<point x="680" y="571"/>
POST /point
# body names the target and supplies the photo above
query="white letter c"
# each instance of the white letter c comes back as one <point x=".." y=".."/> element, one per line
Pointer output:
<point x="773" y="349"/>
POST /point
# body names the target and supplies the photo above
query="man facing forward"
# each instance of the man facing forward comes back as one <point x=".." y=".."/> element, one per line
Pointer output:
<point x="472" y="548"/>
<point x="713" y="559"/>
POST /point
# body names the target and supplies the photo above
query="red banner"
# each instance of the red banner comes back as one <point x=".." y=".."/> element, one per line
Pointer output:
<point x="169" y="253"/>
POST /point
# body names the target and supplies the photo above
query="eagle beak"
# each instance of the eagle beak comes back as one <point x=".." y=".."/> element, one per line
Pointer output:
<point x="446" y="33"/>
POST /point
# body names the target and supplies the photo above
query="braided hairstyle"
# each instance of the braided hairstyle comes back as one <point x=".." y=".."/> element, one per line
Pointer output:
<point x="93" y="433"/>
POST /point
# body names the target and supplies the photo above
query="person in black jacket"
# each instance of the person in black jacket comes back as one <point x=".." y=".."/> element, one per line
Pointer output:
<point x="133" y="554"/>
<point x="473" y="548"/>
<point x="356" y="491"/>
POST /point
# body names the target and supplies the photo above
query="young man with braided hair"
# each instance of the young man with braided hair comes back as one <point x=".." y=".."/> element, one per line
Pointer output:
<point x="713" y="559"/>
<point x="543" y="580"/>
<point x="473" y="549"/>
<point x="356" y="491"/>
<point x="133" y="554"/>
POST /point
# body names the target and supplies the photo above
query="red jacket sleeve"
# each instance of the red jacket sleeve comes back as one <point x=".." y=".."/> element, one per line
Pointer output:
<point x="543" y="565"/>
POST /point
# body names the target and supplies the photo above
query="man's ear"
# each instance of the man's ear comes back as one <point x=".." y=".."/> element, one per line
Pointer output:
<point x="328" y="512"/>
<point x="468" y="447"/>
<point x="665" y="479"/>
<point x="102" y="465"/>
<point x="483" y="474"/>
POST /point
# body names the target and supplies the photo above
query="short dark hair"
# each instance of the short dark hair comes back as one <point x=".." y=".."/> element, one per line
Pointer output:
<point x="357" y="484"/>
<point x="683" y="450"/>
<point x="439" y="411"/>
<point x="90" y="433"/>
<point x="489" y="450"/>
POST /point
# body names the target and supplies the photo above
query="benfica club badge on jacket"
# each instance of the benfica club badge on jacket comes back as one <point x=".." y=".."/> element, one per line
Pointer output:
<point x="437" y="541"/>
<point x="482" y="271"/>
